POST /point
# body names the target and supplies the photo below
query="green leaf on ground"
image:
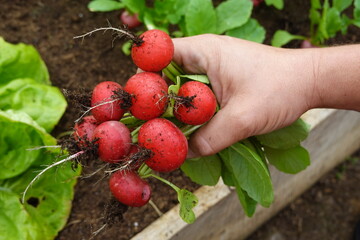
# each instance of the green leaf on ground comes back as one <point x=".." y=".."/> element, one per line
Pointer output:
<point x="282" y="37"/>
<point x="19" y="133"/>
<point x="21" y="61"/>
<point x="200" y="18"/>
<point x="232" y="14"/>
<point x="47" y="205"/>
<point x="251" y="31"/>
<point x="279" y="4"/>
<point x="43" y="103"/>
<point x="104" y="5"/>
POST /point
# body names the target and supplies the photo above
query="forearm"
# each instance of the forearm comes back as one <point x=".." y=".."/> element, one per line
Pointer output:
<point x="337" y="77"/>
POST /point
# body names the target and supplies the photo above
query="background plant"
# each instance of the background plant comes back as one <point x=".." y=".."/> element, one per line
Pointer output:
<point x="29" y="109"/>
<point x="327" y="19"/>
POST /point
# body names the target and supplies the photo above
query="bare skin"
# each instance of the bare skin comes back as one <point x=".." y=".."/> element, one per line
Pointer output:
<point x="262" y="88"/>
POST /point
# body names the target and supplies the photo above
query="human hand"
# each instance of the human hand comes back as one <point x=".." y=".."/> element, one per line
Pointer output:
<point x="259" y="88"/>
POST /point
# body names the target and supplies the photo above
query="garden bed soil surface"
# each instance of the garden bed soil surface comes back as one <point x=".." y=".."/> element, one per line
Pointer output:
<point x="329" y="210"/>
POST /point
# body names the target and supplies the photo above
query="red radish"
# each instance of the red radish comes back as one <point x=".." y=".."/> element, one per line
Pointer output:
<point x="257" y="2"/>
<point x="168" y="144"/>
<point x="113" y="140"/>
<point x="307" y="44"/>
<point x="197" y="103"/>
<point x="129" y="189"/>
<point x="148" y="91"/>
<point x="130" y="20"/>
<point x="155" y="52"/>
<point x="106" y="92"/>
<point x="83" y="130"/>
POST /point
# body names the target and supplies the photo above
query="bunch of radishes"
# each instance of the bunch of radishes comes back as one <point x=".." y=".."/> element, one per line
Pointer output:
<point x="138" y="127"/>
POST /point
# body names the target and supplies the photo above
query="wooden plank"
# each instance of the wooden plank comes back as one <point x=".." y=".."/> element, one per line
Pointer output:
<point x="335" y="134"/>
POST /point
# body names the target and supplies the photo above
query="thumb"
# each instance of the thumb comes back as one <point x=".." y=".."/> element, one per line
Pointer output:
<point x="192" y="54"/>
<point x="224" y="129"/>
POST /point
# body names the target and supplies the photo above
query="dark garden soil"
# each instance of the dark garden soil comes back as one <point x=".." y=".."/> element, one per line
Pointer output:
<point x="327" y="211"/>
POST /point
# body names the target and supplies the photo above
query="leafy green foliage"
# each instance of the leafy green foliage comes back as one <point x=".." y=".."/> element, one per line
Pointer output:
<point x="187" y="202"/>
<point x="21" y="61"/>
<point x="19" y="133"/>
<point x="104" y="5"/>
<point x="200" y="18"/>
<point x="249" y="172"/>
<point x="251" y="31"/>
<point x="231" y="17"/>
<point x="232" y="14"/>
<point x="292" y="160"/>
<point x="43" y="103"/>
<point x="279" y="4"/>
<point x="47" y="205"/>
<point x="326" y="20"/>
<point x="204" y="170"/>
<point x="286" y="137"/>
<point x="29" y="107"/>
<point x="281" y="38"/>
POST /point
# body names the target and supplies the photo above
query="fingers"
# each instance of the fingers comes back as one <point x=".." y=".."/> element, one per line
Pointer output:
<point x="193" y="53"/>
<point x="225" y="128"/>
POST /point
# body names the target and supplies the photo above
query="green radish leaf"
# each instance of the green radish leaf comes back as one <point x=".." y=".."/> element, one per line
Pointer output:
<point x="315" y="16"/>
<point x="251" y="31"/>
<point x="282" y="37"/>
<point x="172" y="89"/>
<point x="204" y="170"/>
<point x="341" y="5"/>
<point x="135" y="6"/>
<point x="232" y="14"/>
<point x="248" y="204"/>
<point x="356" y="12"/>
<point x="227" y="176"/>
<point x="230" y="179"/>
<point x="104" y="5"/>
<point x="178" y="11"/>
<point x="200" y="18"/>
<point x="249" y="172"/>
<point x="334" y="22"/>
<point x="21" y="61"/>
<point x="292" y="160"/>
<point x="286" y="137"/>
<point x="28" y="96"/>
<point x="187" y="202"/>
<point x="19" y="133"/>
<point x="150" y="23"/>
<point x="322" y="33"/>
<point x="126" y="48"/>
<point x="199" y="78"/>
<point x="279" y="4"/>
<point x="47" y="205"/>
<point x="315" y="4"/>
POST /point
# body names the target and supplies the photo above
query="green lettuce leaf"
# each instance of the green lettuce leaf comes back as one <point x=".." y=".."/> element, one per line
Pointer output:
<point x="44" y="104"/>
<point x="47" y="204"/>
<point x="21" y="61"/>
<point x="19" y="133"/>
